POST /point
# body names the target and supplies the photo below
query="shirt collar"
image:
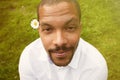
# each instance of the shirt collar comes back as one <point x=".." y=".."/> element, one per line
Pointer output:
<point x="75" y="60"/>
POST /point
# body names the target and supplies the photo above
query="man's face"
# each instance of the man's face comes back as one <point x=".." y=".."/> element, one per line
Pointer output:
<point x="60" y="31"/>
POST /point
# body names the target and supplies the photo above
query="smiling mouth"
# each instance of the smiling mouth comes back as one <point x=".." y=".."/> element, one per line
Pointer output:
<point x="61" y="53"/>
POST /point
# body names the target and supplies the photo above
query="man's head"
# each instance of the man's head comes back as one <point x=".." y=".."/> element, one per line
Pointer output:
<point x="59" y="29"/>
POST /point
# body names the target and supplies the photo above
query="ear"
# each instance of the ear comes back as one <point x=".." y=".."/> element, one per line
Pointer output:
<point x="81" y="23"/>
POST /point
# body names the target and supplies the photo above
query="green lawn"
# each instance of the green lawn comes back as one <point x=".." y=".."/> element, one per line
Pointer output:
<point x="101" y="27"/>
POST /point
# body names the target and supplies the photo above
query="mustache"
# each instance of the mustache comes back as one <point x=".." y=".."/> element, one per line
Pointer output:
<point x="63" y="48"/>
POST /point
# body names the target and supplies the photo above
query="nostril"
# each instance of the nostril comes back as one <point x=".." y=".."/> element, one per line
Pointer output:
<point x="60" y="41"/>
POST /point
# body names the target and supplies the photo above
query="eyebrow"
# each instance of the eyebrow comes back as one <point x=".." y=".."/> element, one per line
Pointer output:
<point x="66" y="23"/>
<point x="45" y="24"/>
<point x="72" y="19"/>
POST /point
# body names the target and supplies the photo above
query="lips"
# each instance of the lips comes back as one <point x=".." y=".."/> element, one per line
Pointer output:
<point x="61" y="53"/>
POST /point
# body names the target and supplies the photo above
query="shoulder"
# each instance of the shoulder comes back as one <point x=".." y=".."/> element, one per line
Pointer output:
<point x="92" y="61"/>
<point x="35" y="44"/>
<point x="34" y="50"/>
<point x="33" y="58"/>
<point x="24" y="62"/>
<point x="30" y="49"/>
<point x="92" y="55"/>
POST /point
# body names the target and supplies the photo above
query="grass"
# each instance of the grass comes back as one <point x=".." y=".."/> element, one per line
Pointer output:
<point x="100" y="27"/>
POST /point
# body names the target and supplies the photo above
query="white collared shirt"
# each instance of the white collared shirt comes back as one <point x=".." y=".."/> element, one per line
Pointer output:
<point x="86" y="64"/>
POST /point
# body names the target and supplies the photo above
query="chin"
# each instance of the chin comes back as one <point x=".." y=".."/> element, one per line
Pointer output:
<point x="61" y="63"/>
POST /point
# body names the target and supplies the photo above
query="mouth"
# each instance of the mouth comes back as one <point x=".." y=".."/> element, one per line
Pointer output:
<point x="61" y="56"/>
<point x="61" y="53"/>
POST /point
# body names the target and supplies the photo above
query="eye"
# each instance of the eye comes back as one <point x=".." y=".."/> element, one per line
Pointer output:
<point x="47" y="30"/>
<point x="71" y="28"/>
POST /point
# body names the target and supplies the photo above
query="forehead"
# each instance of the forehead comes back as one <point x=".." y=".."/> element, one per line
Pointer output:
<point x="58" y="9"/>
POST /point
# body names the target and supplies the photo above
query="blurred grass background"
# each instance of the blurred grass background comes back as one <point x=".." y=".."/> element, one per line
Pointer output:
<point x="101" y="27"/>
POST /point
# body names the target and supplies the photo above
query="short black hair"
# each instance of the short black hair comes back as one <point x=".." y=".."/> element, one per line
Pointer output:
<point x="52" y="2"/>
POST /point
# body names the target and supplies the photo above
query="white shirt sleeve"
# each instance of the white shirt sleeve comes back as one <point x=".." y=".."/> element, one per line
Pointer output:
<point x="98" y="74"/>
<point x="95" y="67"/>
<point x="25" y="70"/>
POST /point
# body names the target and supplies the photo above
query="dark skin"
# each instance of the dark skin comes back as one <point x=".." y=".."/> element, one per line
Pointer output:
<point x="59" y="31"/>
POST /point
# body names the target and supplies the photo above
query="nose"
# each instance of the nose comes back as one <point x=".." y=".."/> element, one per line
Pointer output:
<point x="60" y="38"/>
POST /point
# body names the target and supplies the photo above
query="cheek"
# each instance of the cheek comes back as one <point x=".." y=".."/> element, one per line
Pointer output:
<point x="74" y="41"/>
<point x="45" y="39"/>
<point x="73" y="38"/>
<point x="46" y="42"/>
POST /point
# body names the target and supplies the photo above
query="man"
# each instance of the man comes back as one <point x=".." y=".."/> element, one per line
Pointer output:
<point x="60" y="53"/>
